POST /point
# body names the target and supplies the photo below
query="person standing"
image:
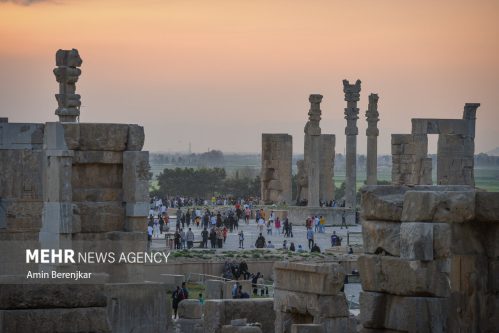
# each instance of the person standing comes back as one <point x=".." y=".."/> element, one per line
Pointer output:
<point x="241" y="239"/>
<point x="177" y="297"/>
<point x="310" y="238"/>
<point x="343" y="220"/>
<point x="322" y="223"/>
<point x="247" y="214"/>
<point x="277" y="225"/>
<point x="204" y="235"/>
<point x="190" y="239"/>
<point x="213" y="237"/>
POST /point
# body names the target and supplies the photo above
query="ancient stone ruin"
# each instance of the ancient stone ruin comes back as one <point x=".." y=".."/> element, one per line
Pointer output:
<point x="310" y="294"/>
<point x="80" y="186"/>
<point x="455" y="153"/>
<point x="431" y="259"/>
<point x="372" y="133"/>
<point x="277" y="151"/>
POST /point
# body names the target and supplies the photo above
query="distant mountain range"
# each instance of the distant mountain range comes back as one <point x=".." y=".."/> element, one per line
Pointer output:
<point x="493" y="152"/>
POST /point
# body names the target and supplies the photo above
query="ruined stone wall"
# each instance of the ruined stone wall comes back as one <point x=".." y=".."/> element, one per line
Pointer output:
<point x="277" y="150"/>
<point x="431" y="259"/>
<point x="310" y="293"/>
<point x="410" y="164"/>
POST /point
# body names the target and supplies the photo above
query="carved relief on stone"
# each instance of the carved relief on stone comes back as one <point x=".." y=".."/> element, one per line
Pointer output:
<point x="67" y="73"/>
<point x="352" y="96"/>
<point x="142" y="170"/>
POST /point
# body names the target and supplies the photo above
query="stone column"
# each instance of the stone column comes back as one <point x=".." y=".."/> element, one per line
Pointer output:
<point x="312" y="150"/>
<point x="67" y="73"/>
<point x="352" y="96"/>
<point x="327" y="167"/>
<point x="372" y="133"/>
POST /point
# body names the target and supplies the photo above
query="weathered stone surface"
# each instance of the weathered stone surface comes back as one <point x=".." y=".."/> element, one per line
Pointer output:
<point x="307" y="328"/>
<point x="74" y="320"/>
<point x="487" y="206"/>
<point x="21" y="136"/>
<point x="21" y="174"/>
<point x="407" y="314"/>
<point x="94" y="136"/>
<point x="189" y="325"/>
<point x="97" y="194"/>
<point x="136" y="176"/>
<point x="416" y="241"/>
<point x="220" y="312"/>
<point x="450" y="207"/>
<point x="382" y="203"/>
<point x="381" y="236"/>
<point x="136" y="137"/>
<point x="241" y="329"/>
<point x="403" y="277"/>
<point x="343" y="324"/>
<point x="325" y="279"/>
<point x="98" y="157"/>
<point x="330" y="306"/>
<point x="214" y="289"/>
<point x="21" y="215"/>
<point x="101" y="216"/>
<point x="190" y="309"/>
<point x="97" y="176"/>
<point x="276" y="167"/>
<point x="26" y="296"/>
<point x="138" y="307"/>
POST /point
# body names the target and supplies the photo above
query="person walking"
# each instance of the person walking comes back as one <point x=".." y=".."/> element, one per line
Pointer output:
<point x="343" y="220"/>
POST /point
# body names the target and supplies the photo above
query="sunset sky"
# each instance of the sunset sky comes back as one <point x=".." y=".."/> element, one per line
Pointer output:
<point x="218" y="73"/>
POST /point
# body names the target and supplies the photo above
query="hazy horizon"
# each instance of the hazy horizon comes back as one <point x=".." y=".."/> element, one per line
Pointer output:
<point x="220" y="73"/>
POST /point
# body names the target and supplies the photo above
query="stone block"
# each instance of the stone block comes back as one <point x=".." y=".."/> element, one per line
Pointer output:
<point x="32" y="296"/>
<point x="380" y="236"/>
<point x="97" y="176"/>
<point x="403" y="277"/>
<point x="429" y="206"/>
<point x="21" y="176"/>
<point x="416" y="241"/>
<point x="136" y="176"/>
<point x="171" y="281"/>
<point x="101" y="216"/>
<point x="320" y="306"/>
<point x="344" y="324"/>
<point x="97" y="157"/>
<point x="220" y="312"/>
<point x="21" y="135"/>
<point x="138" y="307"/>
<point x="307" y="328"/>
<point x="71" y="320"/>
<point x="382" y="203"/>
<point x="72" y="135"/>
<point x="97" y="194"/>
<point x="487" y="206"/>
<point x="442" y="240"/>
<point x="137" y="209"/>
<point x="95" y="136"/>
<point x="321" y="279"/>
<point x="136" y="137"/>
<point x="190" y="309"/>
<point x="214" y="289"/>
<point x="406" y="314"/>
<point x="21" y="215"/>
<point x="241" y="329"/>
<point x="398" y="139"/>
<point x="133" y="223"/>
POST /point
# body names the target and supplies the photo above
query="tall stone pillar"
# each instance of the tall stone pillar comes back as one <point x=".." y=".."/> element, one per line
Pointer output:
<point x="312" y="150"/>
<point x="327" y="167"/>
<point x="372" y="133"/>
<point x="352" y="96"/>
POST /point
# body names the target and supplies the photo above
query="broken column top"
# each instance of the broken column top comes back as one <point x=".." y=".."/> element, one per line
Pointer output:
<point x="372" y="116"/>
<point x="470" y="110"/>
<point x="352" y="91"/>
<point x="314" y="115"/>
<point x="67" y="73"/>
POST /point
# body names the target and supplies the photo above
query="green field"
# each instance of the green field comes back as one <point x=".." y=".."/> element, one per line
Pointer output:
<point x="485" y="178"/>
